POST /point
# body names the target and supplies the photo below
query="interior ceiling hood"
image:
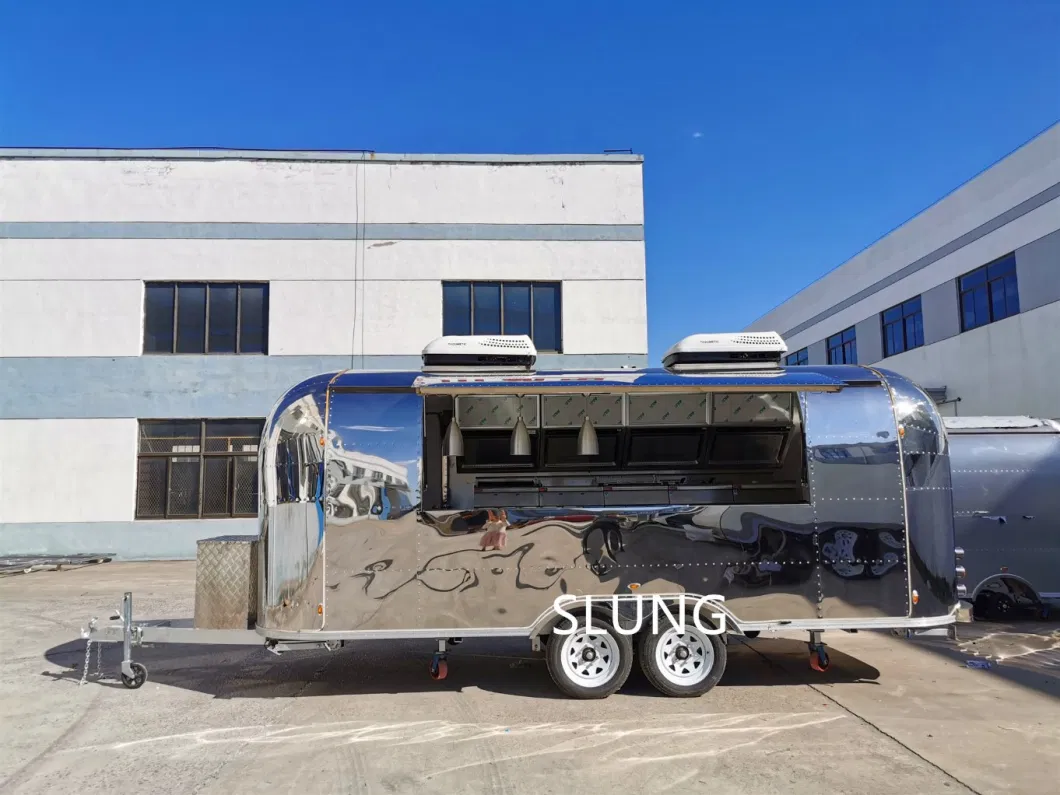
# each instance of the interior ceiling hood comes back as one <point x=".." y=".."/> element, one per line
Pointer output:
<point x="756" y="350"/>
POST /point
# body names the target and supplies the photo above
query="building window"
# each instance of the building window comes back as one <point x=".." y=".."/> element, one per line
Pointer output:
<point x="197" y="469"/>
<point x="195" y="317"/>
<point x="531" y="308"/>
<point x="843" y="347"/>
<point x="903" y="327"/>
<point x="989" y="293"/>
<point x="800" y="356"/>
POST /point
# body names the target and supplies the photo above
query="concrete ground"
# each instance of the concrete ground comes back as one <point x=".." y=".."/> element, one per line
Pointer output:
<point x="891" y="715"/>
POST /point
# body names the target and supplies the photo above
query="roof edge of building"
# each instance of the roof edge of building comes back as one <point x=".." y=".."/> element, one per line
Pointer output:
<point x="1053" y="128"/>
<point x="366" y="156"/>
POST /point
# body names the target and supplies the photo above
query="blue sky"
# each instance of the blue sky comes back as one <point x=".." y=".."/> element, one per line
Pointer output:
<point x="780" y="138"/>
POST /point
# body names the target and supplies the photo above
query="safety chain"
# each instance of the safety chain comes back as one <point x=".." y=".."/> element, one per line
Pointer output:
<point x="84" y="668"/>
<point x="99" y="661"/>
<point x="88" y="656"/>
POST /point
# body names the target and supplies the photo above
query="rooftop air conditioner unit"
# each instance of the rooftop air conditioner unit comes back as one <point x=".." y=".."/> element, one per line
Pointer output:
<point x="493" y="354"/>
<point x="746" y="351"/>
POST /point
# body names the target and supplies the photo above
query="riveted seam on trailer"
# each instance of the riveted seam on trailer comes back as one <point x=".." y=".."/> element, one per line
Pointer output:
<point x="808" y="449"/>
<point x="858" y="499"/>
<point x="925" y="428"/>
<point x="323" y="609"/>
<point x="902" y="453"/>
<point x="648" y="566"/>
<point x="995" y="471"/>
<point x="852" y="438"/>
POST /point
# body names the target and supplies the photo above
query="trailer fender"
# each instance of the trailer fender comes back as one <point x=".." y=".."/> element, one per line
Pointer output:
<point x="1001" y="578"/>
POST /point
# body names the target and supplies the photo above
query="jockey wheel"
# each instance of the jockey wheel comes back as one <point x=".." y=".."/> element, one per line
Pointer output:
<point x="439" y="664"/>
<point x="818" y="655"/>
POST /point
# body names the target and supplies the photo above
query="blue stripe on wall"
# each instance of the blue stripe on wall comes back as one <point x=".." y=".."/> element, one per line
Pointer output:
<point x="168" y="540"/>
<point x="164" y="387"/>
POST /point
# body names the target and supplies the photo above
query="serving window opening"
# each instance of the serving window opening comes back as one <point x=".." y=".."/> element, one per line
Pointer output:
<point x="648" y="449"/>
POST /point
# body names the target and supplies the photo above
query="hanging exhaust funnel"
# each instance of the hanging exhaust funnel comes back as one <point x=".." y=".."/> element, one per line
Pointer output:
<point x="520" y="444"/>
<point x="588" y="443"/>
<point x="454" y="439"/>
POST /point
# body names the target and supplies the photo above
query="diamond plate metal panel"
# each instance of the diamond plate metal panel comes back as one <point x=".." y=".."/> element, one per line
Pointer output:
<point x="766" y="408"/>
<point x="495" y="411"/>
<point x="226" y="582"/>
<point x="688" y="409"/>
<point x="568" y="411"/>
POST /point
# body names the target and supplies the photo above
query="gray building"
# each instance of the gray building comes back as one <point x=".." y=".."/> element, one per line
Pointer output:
<point x="964" y="298"/>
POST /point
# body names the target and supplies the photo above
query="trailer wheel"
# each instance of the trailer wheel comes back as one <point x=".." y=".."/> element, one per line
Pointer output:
<point x="994" y="606"/>
<point x="439" y="668"/>
<point x="590" y="666"/>
<point x="819" y="660"/>
<point x="1003" y="607"/>
<point x="682" y="664"/>
<point x="137" y="679"/>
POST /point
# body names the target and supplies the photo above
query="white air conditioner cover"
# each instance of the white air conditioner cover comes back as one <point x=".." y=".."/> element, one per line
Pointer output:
<point x="736" y="343"/>
<point x="482" y="345"/>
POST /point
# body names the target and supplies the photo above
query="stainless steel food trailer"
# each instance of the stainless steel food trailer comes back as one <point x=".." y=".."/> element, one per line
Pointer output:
<point x="461" y="500"/>
<point x="1006" y="494"/>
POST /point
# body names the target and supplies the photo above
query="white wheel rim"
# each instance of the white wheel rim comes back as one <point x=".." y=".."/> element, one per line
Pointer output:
<point x="684" y="658"/>
<point x="590" y="660"/>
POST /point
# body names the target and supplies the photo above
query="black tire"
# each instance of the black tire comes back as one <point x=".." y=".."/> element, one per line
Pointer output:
<point x="564" y="653"/>
<point x="981" y="605"/>
<point x="648" y="645"/>
<point x="137" y="679"/>
<point x="751" y="634"/>
<point x="994" y="606"/>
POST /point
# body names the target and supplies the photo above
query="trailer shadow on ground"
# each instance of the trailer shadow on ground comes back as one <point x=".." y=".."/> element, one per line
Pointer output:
<point x="502" y="666"/>
<point x="1024" y="652"/>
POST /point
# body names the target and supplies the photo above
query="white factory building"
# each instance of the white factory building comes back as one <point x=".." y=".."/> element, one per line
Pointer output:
<point x="155" y="304"/>
<point x="964" y="298"/>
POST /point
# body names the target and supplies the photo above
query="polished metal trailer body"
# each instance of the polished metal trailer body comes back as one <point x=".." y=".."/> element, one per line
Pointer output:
<point x="810" y="498"/>
<point x="832" y="511"/>
<point x="1006" y="485"/>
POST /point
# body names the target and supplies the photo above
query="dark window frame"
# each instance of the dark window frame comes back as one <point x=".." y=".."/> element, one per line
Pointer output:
<point x="203" y="454"/>
<point x="623" y="459"/>
<point x="895" y="327"/>
<point x="175" y="309"/>
<point x="714" y="458"/>
<point x="843" y="347"/>
<point x="799" y="357"/>
<point x="980" y="283"/>
<point x="532" y="285"/>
